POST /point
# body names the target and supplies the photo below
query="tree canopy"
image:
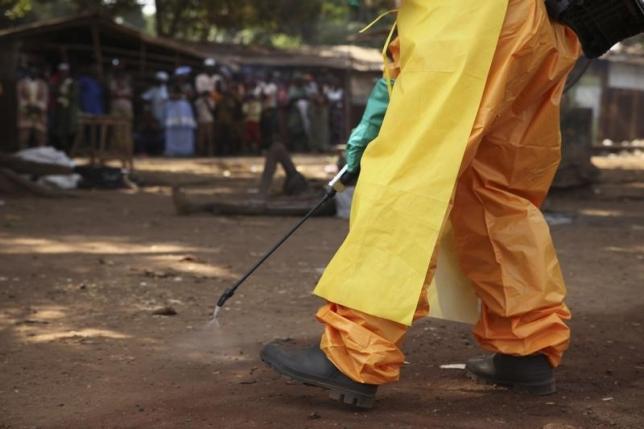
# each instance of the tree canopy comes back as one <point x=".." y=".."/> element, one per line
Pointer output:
<point x="238" y="21"/>
<point x="24" y="11"/>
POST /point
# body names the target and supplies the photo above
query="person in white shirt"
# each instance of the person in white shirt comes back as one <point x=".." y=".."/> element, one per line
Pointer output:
<point x="33" y="97"/>
<point x="207" y="84"/>
<point x="335" y="94"/>
<point x="157" y="96"/>
<point x="208" y="81"/>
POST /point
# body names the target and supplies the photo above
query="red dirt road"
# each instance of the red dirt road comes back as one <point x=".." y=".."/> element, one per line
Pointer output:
<point x="80" y="347"/>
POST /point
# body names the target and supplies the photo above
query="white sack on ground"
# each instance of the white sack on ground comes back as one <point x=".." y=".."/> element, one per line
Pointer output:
<point x="49" y="155"/>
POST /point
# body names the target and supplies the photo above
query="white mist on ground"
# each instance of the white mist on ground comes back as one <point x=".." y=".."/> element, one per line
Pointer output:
<point x="215" y="340"/>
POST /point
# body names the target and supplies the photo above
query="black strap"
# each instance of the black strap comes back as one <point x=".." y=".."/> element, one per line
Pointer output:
<point x="599" y="24"/>
<point x="557" y="7"/>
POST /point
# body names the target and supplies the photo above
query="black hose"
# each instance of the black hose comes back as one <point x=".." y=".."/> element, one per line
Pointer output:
<point x="575" y="80"/>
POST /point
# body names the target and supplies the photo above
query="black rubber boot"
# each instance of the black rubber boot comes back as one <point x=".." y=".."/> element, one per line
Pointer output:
<point x="532" y="374"/>
<point x="311" y="367"/>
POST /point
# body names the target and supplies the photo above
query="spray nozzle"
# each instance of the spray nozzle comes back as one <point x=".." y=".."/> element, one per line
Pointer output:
<point x="228" y="293"/>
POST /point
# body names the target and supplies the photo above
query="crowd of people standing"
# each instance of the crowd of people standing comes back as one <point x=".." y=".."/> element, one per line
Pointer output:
<point x="208" y="112"/>
<point x="50" y="105"/>
<point x="218" y="113"/>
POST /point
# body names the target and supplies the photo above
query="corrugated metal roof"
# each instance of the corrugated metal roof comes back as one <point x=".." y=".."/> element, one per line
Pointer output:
<point x="338" y="57"/>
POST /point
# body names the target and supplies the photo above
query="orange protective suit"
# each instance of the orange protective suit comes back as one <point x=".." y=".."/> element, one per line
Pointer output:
<point x="503" y="242"/>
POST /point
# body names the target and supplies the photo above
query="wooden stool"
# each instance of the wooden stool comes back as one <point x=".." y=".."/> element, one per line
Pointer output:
<point x="93" y="132"/>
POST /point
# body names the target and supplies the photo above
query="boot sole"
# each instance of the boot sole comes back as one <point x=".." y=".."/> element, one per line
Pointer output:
<point x="540" y="389"/>
<point x="347" y="396"/>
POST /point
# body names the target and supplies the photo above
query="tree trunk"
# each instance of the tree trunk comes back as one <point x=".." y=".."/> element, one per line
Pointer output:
<point x="284" y="207"/>
<point x="158" y="17"/>
<point x="177" y="17"/>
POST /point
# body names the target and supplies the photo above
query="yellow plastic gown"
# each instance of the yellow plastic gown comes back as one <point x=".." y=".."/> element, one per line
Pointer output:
<point x="473" y="119"/>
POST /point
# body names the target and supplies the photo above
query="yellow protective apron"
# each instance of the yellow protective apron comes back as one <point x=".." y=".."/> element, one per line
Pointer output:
<point x="409" y="171"/>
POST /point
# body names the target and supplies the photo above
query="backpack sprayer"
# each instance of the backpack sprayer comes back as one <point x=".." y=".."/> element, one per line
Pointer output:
<point x="599" y="24"/>
<point x="338" y="184"/>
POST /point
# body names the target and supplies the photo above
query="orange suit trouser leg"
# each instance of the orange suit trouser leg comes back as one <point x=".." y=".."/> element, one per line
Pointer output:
<point x="503" y="241"/>
<point x="364" y="347"/>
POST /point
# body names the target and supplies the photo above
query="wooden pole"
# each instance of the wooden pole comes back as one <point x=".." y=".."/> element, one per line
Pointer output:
<point x="142" y="58"/>
<point x="348" y="104"/>
<point x="604" y="114"/>
<point x="64" y="57"/>
<point x="9" y="57"/>
<point x="98" y="51"/>
<point x="634" y="116"/>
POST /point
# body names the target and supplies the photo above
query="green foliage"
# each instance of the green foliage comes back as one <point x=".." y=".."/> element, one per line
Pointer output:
<point x="271" y="22"/>
<point x="14" y="9"/>
<point x="228" y="20"/>
<point x="276" y="22"/>
<point x="23" y="11"/>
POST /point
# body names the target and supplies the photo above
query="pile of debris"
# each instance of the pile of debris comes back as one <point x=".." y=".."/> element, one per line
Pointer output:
<point x="46" y="172"/>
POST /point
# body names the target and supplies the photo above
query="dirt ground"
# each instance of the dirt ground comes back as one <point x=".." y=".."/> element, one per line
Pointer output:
<point x="80" y="346"/>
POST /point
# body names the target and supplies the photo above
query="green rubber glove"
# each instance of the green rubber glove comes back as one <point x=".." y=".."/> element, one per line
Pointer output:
<point x="369" y="125"/>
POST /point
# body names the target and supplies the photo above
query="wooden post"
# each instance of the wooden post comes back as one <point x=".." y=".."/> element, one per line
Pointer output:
<point x="142" y="59"/>
<point x="348" y="104"/>
<point x="639" y="114"/>
<point x="78" y="140"/>
<point x="9" y="52"/>
<point x="98" y="50"/>
<point x="102" y="128"/>
<point x="64" y="57"/>
<point x="634" y="116"/>
<point x="92" y="141"/>
<point x="604" y="114"/>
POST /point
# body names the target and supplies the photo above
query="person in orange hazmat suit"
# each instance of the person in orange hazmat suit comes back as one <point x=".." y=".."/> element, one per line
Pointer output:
<point x="463" y="129"/>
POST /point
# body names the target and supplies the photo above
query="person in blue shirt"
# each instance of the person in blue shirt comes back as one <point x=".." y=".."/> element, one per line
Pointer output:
<point x="91" y="93"/>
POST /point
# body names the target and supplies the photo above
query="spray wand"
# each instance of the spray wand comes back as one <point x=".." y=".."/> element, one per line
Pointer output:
<point x="338" y="184"/>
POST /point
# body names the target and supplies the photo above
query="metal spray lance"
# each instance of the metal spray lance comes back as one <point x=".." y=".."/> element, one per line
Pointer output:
<point x="338" y="184"/>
